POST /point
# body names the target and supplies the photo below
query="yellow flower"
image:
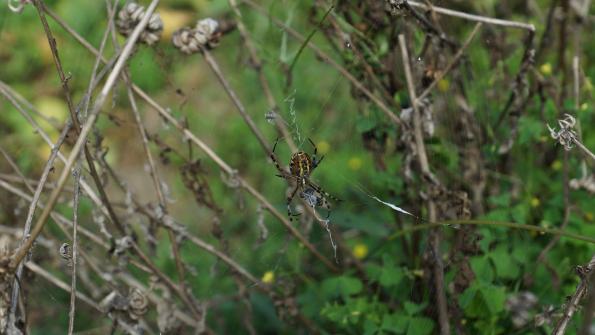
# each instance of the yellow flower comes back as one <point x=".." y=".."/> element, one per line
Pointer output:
<point x="443" y="85"/>
<point x="323" y="147"/>
<point x="556" y="165"/>
<point x="354" y="163"/>
<point x="268" y="277"/>
<point x="546" y="69"/>
<point x="535" y="202"/>
<point x="360" y="251"/>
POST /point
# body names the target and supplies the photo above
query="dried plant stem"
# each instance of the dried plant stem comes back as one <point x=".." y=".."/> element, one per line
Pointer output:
<point x="327" y="59"/>
<point x="242" y="110"/>
<point x="27" y="228"/>
<point x="75" y="208"/>
<point x="472" y="17"/>
<point x="74" y="114"/>
<point x="209" y="152"/>
<point x="236" y="101"/>
<point x="450" y="65"/>
<point x="257" y="65"/>
<point x="42" y="220"/>
<point x="443" y="318"/>
<point x="62" y="220"/>
<point x="157" y="184"/>
<point x="572" y="304"/>
<point x="82" y="297"/>
<point x="225" y="167"/>
<point x="585" y="150"/>
<point x="510" y="225"/>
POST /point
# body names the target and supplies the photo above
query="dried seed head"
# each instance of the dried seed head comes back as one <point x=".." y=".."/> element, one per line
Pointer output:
<point x="566" y="136"/>
<point x="137" y="303"/>
<point x="205" y="35"/>
<point x="66" y="253"/>
<point x="131" y="15"/>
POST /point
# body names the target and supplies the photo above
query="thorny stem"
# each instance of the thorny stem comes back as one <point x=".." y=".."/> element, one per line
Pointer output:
<point x="425" y="169"/>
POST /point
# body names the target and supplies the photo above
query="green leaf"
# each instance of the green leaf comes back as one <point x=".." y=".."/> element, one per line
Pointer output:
<point x="467" y="297"/>
<point x="482" y="268"/>
<point x="391" y="275"/>
<point x="519" y="213"/>
<point x="364" y="124"/>
<point x="395" y="323"/>
<point x="370" y="328"/>
<point x="529" y="130"/>
<point x="343" y="286"/>
<point x="494" y="298"/>
<point x="413" y="308"/>
<point x="506" y="266"/>
<point x="420" y="326"/>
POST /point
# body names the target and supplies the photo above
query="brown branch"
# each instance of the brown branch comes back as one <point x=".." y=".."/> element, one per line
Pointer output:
<point x="42" y="220"/>
<point x="473" y="17"/>
<point x="73" y="114"/>
<point x="425" y="169"/>
<point x="450" y="65"/>
<point x="579" y="293"/>
<point x="82" y="297"/>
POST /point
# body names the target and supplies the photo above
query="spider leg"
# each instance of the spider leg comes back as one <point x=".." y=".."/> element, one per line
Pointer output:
<point x="289" y="198"/>
<point x="315" y="161"/>
<point x="323" y="197"/>
<point x="275" y="146"/>
<point x="276" y="161"/>
<point x="322" y="192"/>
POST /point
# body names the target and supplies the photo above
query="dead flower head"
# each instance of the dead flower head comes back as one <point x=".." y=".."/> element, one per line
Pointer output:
<point x="131" y="15"/>
<point x="566" y="136"/>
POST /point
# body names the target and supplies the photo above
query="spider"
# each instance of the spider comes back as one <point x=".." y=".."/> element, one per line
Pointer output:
<point x="301" y="166"/>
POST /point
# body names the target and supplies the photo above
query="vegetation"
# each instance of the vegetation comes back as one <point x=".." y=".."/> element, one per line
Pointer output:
<point x="455" y="195"/>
